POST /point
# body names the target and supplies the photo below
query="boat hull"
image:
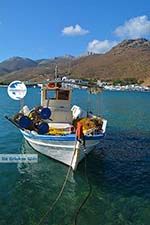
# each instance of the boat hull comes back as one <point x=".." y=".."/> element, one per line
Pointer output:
<point x="65" y="149"/>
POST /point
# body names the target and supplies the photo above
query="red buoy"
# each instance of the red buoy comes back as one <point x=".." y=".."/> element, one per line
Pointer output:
<point x="79" y="131"/>
<point x="51" y="85"/>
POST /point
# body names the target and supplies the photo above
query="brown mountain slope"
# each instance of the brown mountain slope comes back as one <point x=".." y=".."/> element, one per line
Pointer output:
<point x="16" y="63"/>
<point x="129" y="59"/>
<point x="123" y="61"/>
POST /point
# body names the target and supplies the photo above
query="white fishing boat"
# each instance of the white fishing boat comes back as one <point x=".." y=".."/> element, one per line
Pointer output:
<point x="58" y="130"/>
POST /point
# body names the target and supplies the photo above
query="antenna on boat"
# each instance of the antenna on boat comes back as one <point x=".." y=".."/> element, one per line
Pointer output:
<point x="56" y="72"/>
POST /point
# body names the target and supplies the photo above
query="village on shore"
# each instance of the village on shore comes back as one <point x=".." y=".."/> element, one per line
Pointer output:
<point x="77" y="83"/>
<point x="105" y="85"/>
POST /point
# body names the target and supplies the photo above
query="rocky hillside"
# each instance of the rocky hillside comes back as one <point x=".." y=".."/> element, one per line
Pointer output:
<point x="129" y="59"/>
<point x="16" y="63"/>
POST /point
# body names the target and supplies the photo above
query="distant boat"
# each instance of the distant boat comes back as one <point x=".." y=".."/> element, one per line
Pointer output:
<point x="58" y="130"/>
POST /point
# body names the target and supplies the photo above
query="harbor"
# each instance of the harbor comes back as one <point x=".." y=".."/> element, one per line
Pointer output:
<point x="74" y="112"/>
<point x="115" y="171"/>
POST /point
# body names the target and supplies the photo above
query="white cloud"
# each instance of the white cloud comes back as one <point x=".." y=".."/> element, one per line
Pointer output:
<point x="74" y="31"/>
<point x="97" y="46"/>
<point x="136" y="27"/>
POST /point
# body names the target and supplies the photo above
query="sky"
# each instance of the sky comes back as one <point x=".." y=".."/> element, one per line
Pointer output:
<point x="43" y="29"/>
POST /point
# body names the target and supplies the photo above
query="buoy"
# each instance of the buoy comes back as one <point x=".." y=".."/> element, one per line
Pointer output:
<point x="42" y="128"/>
<point x="25" y="122"/>
<point x="51" y="85"/>
<point x="79" y="131"/>
<point x="45" y="113"/>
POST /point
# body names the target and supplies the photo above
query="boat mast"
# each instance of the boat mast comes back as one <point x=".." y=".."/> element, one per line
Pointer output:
<point x="56" y="72"/>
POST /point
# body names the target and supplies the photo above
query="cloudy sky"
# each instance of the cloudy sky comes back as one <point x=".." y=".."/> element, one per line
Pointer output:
<point x="43" y="29"/>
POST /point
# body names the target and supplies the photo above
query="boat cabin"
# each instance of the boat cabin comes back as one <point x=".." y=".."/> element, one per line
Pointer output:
<point x="58" y="99"/>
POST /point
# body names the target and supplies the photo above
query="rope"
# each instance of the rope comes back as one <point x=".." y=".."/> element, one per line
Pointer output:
<point x="88" y="103"/>
<point x="88" y="195"/>
<point x="61" y="190"/>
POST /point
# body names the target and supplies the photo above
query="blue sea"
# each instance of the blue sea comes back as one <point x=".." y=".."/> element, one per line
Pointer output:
<point x="118" y="170"/>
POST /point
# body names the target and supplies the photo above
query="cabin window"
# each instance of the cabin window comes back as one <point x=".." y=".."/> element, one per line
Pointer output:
<point x="51" y="94"/>
<point x="63" y="95"/>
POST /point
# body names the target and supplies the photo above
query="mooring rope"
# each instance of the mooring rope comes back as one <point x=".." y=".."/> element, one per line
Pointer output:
<point x="61" y="190"/>
<point x="88" y="195"/>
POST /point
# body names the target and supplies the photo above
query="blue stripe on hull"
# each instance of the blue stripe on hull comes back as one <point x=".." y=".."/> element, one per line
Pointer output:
<point x="70" y="137"/>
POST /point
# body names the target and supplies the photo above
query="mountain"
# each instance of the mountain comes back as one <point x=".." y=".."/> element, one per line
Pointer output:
<point x="16" y="63"/>
<point x="129" y="59"/>
<point x="133" y="44"/>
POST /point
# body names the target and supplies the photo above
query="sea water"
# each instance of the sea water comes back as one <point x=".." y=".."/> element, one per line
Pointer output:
<point x="118" y="170"/>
